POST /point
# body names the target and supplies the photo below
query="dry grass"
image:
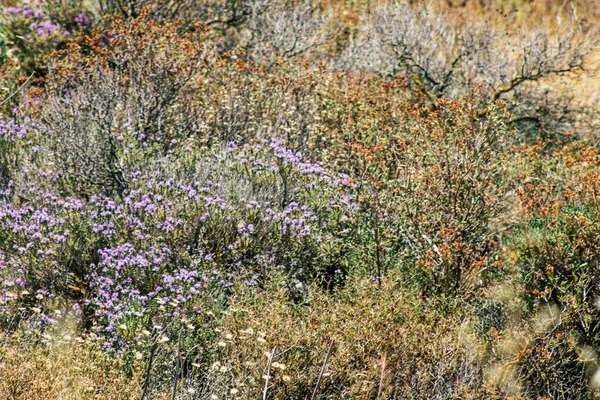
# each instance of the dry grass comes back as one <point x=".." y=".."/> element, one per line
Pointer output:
<point x="71" y="370"/>
<point x="389" y="344"/>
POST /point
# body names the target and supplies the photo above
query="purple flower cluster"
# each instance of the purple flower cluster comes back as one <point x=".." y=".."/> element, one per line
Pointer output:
<point x="42" y="23"/>
<point x="45" y="27"/>
<point x="281" y="158"/>
<point x="166" y="241"/>
<point x="129" y="282"/>
<point x="11" y="130"/>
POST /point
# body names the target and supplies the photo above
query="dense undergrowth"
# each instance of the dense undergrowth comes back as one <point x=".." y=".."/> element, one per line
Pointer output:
<point x="296" y="200"/>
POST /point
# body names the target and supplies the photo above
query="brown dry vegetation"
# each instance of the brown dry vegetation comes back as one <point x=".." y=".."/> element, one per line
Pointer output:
<point x="70" y="368"/>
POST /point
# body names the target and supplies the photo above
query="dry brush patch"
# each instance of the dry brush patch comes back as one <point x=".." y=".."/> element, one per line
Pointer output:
<point x="64" y="368"/>
<point x="387" y="343"/>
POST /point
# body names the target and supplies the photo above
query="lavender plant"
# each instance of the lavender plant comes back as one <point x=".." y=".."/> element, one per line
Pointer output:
<point x="179" y="232"/>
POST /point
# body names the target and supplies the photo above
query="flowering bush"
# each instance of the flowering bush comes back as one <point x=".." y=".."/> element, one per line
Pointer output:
<point x="240" y="212"/>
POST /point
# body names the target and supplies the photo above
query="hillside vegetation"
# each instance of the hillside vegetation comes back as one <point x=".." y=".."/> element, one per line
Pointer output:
<point x="252" y="199"/>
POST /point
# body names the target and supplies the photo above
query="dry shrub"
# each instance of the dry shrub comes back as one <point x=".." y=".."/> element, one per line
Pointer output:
<point x="244" y="101"/>
<point x="429" y="179"/>
<point x="265" y="29"/>
<point x="159" y="88"/>
<point x="448" y="190"/>
<point x="127" y="81"/>
<point x="556" y="252"/>
<point x="286" y="30"/>
<point x="445" y="52"/>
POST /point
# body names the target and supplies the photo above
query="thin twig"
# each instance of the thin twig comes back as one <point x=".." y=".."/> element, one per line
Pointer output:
<point x="314" y="395"/>
<point x="189" y="353"/>
<point x="268" y="372"/>
<point x="381" y="377"/>
<point x="18" y="90"/>
<point x="152" y="352"/>
<point x="177" y="368"/>
<point x="149" y="370"/>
